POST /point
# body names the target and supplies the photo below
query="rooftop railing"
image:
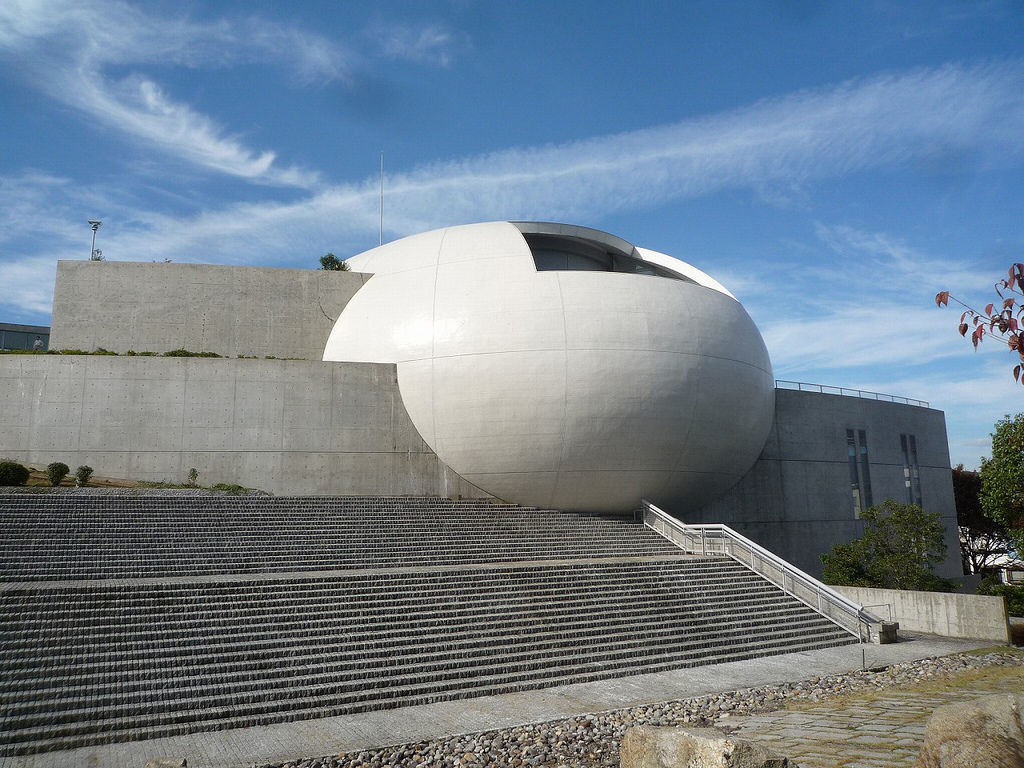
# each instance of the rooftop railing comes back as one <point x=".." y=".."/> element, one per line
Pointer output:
<point x="803" y="386"/>
<point x="721" y="540"/>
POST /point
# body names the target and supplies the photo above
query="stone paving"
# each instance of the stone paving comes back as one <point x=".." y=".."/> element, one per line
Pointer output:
<point x="884" y="732"/>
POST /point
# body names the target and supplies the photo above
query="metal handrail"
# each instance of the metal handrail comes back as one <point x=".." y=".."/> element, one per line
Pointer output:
<point x="723" y="540"/>
<point x="825" y="389"/>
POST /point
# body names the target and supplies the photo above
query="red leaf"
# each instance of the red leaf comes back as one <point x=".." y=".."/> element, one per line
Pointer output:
<point x="1013" y="342"/>
<point x="989" y="308"/>
<point x="963" y="329"/>
<point x="1007" y="303"/>
<point x="942" y="298"/>
<point x="1016" y="373"/>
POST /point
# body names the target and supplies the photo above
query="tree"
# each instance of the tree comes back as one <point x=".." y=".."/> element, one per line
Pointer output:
<point x="984" y="542"/>
<point x="900" y="545"/>
<point x="13" y="473"/>
<point x="333" y="263"/>
<point x="82" y="475"/>
<point x="1002" y="478"/>
<point x="1006" y="325"/>
<point x="56" y="472"/>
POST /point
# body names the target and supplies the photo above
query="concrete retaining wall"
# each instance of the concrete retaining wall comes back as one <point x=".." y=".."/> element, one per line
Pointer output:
<point x="797" y="500"/>
<point x="287" y="427"/>
<point x="975" y="617"/>
<point x="146" y="307"/>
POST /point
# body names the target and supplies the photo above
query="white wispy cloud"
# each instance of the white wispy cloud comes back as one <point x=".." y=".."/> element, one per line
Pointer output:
<point x="881" y="123"/>
<point x="68" y="47"/>
<point x="863" y="302"/>
<point x="431" y="44"/>
<point x="867" y="320"/>
<point x="884" y="122"/>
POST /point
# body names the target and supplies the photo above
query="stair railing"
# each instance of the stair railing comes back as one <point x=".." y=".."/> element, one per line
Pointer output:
<point x="721" y="540"/>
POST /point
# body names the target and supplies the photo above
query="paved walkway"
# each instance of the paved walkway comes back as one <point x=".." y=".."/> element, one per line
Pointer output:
<point x="242" y="748"/>
<point x="882" y="733"/>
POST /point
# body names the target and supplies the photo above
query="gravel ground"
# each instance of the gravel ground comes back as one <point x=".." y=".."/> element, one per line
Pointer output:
<point x="593" y="740"/>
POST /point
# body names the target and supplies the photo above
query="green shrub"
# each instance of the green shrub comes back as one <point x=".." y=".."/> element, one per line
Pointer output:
<point x="13" y="473"/>
<point x="56" y="472"/>
<point x="186" y="353"/>
<point x="82" y="475"/>
<point x="233" y="488"/>
<point x="193" y="475"/>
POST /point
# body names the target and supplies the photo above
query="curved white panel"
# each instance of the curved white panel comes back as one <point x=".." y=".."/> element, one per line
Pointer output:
<point x="681" y="267"/>
<point x="569" y="389"/>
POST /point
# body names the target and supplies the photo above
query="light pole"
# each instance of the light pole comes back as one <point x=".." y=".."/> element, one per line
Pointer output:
<point x="93" y="254"/>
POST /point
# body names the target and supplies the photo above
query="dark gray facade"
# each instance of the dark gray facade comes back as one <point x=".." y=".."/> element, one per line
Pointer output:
<point x="801" y="497"/>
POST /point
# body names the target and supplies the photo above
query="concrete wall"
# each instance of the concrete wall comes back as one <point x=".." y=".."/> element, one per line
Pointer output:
<point x="975" y="617"/>
<point x="797" y="500"/>
<point x="287" y="427"/>
<point x="147" y="307"/>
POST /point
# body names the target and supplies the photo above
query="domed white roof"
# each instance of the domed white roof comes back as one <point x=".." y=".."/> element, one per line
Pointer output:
<point x="558" y="366"/>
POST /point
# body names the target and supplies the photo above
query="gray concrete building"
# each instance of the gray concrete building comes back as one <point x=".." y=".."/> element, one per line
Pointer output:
<point x="232" y="311"/>
<point x="14" y="336"/>
<point x="829" y="457"/>
<point x="344" y="425"/>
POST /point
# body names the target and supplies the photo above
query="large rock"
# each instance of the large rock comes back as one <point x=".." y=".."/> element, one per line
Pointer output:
<point x="985" y="732"/>
<point x="650" y="747"/>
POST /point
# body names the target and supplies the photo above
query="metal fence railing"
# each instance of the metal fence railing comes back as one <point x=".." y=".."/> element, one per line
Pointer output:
<point x="803" y="386"/>
<point x="721" y="540"/>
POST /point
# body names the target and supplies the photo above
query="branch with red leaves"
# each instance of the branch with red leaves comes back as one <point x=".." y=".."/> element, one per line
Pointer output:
<point x="1007" y="324"/>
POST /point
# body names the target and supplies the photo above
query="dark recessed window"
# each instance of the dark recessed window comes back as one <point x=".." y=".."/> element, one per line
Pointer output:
<point x="561" y="253"/>
<point x="911" y="472"/>
<point x="860" y="472"/>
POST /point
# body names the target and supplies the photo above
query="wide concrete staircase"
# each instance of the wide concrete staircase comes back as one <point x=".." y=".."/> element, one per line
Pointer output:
<point x="135" y="617"/>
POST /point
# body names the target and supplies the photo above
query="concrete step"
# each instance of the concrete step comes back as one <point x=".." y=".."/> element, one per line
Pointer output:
<point x="239" y="713"/>
<point x="159" y="617"/>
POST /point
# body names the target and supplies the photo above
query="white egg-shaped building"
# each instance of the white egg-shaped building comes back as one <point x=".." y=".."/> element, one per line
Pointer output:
<point x="558" y="366"/>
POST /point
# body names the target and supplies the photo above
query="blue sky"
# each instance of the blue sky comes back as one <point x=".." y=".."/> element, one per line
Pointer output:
<point x="833" y="164"/>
